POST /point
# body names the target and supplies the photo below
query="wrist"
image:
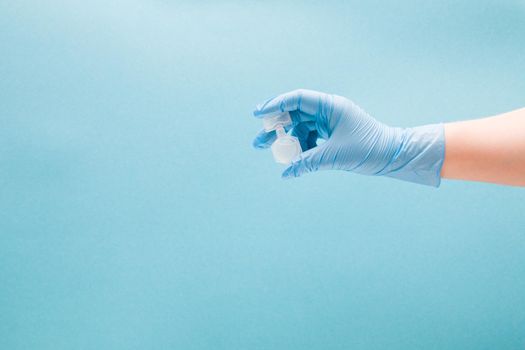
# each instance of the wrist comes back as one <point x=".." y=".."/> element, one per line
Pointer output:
<point x="419" y="155"/>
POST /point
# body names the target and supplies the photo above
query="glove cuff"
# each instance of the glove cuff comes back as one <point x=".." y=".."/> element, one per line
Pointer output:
<point x="420" y="155"/>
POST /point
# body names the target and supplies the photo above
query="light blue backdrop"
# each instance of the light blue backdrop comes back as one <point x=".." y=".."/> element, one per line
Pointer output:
<point x="134" y="213"/>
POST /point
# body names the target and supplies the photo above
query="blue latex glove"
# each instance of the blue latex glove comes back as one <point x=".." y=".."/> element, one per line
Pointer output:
<point x="354" y="141"/>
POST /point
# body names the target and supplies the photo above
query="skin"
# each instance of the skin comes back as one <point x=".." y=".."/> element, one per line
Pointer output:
<point x="488" y="150"/>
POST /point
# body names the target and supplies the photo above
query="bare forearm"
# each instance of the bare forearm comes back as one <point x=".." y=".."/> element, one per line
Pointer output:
<point x="489" y="149"/>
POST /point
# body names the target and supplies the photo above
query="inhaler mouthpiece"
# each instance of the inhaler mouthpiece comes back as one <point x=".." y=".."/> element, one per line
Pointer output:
<point x="286" y="147"/>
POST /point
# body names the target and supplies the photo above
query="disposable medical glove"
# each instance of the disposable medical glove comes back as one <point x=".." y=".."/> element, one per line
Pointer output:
<point x="353" y="140"/>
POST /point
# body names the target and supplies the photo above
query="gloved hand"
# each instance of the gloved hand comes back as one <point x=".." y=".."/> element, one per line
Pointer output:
<point x="354" y="141"/>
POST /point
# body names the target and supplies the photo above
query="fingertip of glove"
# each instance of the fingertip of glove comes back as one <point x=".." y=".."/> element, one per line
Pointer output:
<point x="288" y="173"/>
<point x="257" y="144"/>
<point x="259" y="111"/>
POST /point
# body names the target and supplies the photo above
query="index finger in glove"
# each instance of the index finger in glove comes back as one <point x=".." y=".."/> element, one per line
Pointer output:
<point x="308" y="102"/>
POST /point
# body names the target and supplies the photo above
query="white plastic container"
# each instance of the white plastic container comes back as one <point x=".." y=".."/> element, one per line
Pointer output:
<point x="285" y="148"/>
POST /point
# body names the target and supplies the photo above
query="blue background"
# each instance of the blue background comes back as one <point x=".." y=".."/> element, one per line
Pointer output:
<point x="134" y="213"/>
